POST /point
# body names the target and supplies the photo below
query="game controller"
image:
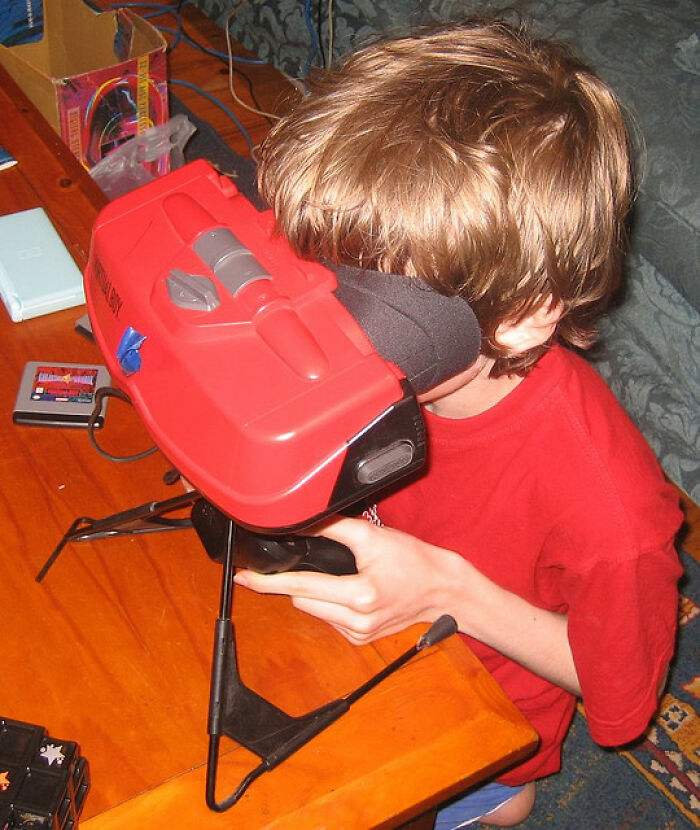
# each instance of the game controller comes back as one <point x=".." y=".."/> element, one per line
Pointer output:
<point x="268" y="554"/>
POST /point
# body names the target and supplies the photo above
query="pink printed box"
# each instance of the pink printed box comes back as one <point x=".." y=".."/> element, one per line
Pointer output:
<point x="97" y="78"/>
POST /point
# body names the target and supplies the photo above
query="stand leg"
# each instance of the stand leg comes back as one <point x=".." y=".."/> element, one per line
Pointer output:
<point x="243" y="715"/>
<point x="145" y="518"/>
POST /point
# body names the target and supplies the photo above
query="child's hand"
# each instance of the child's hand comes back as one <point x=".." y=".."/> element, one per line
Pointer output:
<point x="400" y="581"/>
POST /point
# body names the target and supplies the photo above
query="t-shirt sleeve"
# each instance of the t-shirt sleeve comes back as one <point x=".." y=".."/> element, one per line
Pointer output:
<point x="622" y="621"/>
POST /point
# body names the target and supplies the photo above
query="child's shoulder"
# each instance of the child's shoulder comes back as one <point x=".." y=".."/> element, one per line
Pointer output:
<point x="616" y="475"/>
<point x="584" y="393"/>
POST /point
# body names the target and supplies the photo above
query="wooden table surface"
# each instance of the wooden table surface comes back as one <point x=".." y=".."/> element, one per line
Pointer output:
<point x="113" y="649"/>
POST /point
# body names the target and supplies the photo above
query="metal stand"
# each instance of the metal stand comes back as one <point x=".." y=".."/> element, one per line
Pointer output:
<point x="234" y="709"/>
<point x="237" y="711"/>
<point x="146" y="518"/>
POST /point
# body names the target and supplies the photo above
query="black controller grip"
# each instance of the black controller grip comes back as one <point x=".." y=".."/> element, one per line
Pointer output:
<point x="269" y="554"/>
<point x="274" y="554"/>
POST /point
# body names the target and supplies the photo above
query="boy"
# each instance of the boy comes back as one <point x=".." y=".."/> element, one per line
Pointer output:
<point x="495" y="167"/>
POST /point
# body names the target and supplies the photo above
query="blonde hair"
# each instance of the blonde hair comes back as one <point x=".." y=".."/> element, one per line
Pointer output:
<point x="485" y="162"/>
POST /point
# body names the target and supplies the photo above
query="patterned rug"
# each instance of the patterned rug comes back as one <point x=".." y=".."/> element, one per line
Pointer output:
<point x="669" y="756"/>
<point x="654" y="785"/>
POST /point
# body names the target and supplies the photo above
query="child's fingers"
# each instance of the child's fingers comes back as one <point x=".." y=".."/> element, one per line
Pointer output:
<point x="314" y="586"/>
<point x="334" y="600"/>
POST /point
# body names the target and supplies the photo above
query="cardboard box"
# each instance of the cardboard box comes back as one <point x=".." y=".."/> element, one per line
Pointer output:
<point x="97" y="78"/>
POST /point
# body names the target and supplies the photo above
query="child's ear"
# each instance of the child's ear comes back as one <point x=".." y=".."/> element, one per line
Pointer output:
<point x="533" y="330"/>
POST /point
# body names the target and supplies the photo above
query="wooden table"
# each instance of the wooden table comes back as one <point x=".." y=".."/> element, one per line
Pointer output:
<point x="113" y="649"/>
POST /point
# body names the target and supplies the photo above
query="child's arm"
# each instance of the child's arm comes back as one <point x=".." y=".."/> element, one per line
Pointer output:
<point x="403" y="580"/>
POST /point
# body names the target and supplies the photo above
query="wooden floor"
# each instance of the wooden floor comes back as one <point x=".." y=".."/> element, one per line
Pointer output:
<point x="264" y="88"/>
<point x="260" y="86"/>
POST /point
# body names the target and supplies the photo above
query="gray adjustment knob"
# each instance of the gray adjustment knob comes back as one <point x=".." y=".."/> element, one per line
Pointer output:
<point x="193" y="291"/>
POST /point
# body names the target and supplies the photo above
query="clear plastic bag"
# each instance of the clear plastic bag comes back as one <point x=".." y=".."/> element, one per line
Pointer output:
<point x="137" y="160"/>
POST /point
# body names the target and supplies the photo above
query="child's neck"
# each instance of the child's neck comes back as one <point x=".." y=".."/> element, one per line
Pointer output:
<point x="479" y="394"/>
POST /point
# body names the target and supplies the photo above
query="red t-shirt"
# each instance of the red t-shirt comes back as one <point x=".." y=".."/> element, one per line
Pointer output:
<point x="554" y="495"/>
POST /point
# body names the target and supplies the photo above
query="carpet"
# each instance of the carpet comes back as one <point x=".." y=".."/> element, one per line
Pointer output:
<point x="654" y="785"/>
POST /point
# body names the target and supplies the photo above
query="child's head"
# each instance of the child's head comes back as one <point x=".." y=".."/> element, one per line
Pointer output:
<point x="487" y="163"/>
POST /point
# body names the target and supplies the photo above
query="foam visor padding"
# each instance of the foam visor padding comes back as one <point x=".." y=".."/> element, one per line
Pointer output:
<point x="431" y="337"/>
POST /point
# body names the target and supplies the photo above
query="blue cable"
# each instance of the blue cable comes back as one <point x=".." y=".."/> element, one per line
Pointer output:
<point x="315" y="47"/>
<point x="180" y="34"/>
<point x="218" y="103"/>
<point x="161" y="9"/>
<point x="213" y="52"/>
